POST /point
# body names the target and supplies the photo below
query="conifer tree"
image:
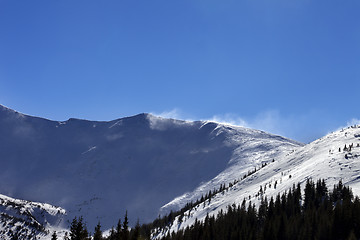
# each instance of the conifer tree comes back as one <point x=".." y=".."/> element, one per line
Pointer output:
<point x="66" y="236"/>
<point x="352" y="236"/>
<point x="136" y="233"/>
<point x="125" y="229"/>
<point x="78" y="230"/>
<point x="112" y="235"/>
<point x="118" y="232"/>
<point x="323" y="214"/>
<point x="54" y="236"/>
<point x="98" y="232"/>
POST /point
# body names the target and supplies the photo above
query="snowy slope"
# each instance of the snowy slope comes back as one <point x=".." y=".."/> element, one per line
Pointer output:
<point x="325" y="158"/>
<point x="253" y="148"/>
<point x="29" y="220"/>
<point x="100" y="169"/>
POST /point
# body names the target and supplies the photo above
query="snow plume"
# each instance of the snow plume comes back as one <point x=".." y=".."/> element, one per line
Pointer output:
<point x="174" y="114"/>
<point x="164" y="120"/>
<point x="229" y="119"/>
<point x="156" y="123"/>
<point x="352" y="122"/>
<point x="269" y="121"/>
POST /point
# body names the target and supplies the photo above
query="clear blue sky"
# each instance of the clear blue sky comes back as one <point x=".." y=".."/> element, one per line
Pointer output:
<point x="288" y="67"/>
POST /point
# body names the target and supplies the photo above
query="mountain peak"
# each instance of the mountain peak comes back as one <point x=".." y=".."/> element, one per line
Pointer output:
<point x="69" y="163"/>
<point x="332" y="158"/>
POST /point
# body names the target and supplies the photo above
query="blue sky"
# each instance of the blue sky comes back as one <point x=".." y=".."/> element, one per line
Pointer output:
<point x="288" y="67"/>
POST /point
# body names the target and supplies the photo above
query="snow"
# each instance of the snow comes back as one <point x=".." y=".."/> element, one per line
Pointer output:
<point x="150" y="165"/>
<point x="30" y="217"/>
<point x="253" y="149"/>
<point x="319" y="159"/>
<point x="134" y="163"/>
<point x="90" y="149"/>
<point x="118" y="123"/>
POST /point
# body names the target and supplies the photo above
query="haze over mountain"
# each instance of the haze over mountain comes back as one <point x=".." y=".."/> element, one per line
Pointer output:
<point x="101" y="169"/>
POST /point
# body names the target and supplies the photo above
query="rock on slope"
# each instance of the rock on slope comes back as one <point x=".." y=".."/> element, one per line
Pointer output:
<point x="334" y="157"/>
<point x="100" y="169"/>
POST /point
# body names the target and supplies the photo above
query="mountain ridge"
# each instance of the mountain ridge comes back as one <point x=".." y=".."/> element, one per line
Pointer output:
<point x="151" y="159"/>
<point x="333" y="157"/>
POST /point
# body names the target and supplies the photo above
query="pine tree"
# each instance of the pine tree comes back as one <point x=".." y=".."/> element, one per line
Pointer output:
<point x="118" y="232"/>
<point x="323" y="215"/>
<point x="136" y="232"/>
<point x="78" y="230"/>
<point x="66" y="236"/>
<point x="309" y="193"/>
<point x="98" y="232"/>
<point x="112" y="235"/>
<point x="352" y="236"/>
<point x="54" y="236"/>
<point x="125" y="229"/>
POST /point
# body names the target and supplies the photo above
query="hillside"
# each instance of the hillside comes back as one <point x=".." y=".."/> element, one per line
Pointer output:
<point x="254" y="148"/>
<point x="26" y="220"/>
<point x="333" y="158"/>
<point x="139" y="164"/>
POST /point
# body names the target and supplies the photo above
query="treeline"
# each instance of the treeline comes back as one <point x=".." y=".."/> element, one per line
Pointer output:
<point x="79" y="231"/>
<point x="166" y="221"/>
<point x="319" y="214"/>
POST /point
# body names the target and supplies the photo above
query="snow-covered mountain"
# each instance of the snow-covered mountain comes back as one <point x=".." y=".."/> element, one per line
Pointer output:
<point x="254" y="148"/>
<point x="101" y="169"/>
<point x="334" y="157"/>
<point x="20" y="219"/>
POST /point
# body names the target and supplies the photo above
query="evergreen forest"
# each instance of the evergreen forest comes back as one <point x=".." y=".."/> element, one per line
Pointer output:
<point x="318" y="214"/>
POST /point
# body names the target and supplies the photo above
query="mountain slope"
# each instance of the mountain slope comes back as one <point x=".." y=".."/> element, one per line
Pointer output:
<point x="27" y="220"/>
<point x="253" y="149"/>
<point x="330" y="158"/>
<point x="100" y="169"/>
